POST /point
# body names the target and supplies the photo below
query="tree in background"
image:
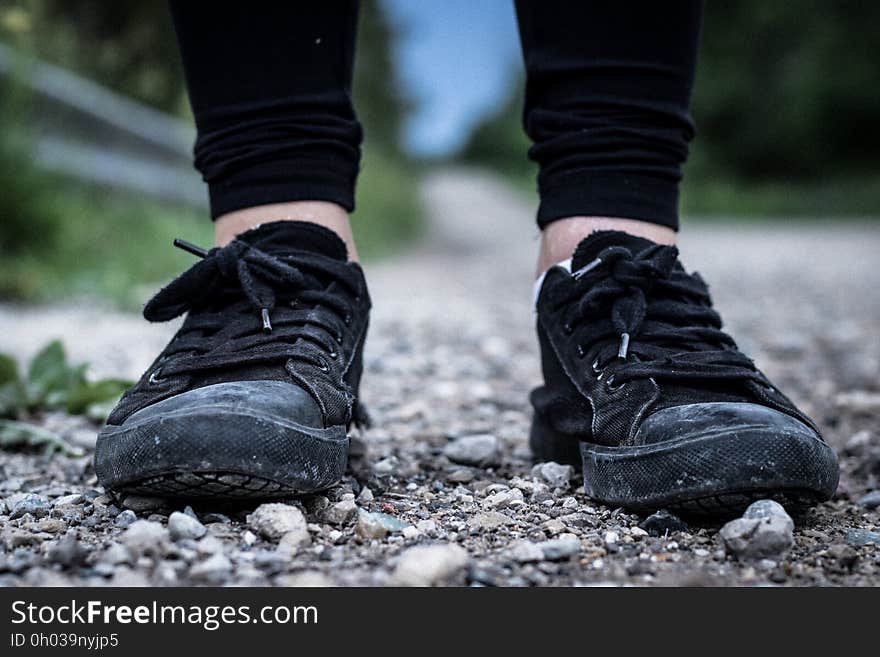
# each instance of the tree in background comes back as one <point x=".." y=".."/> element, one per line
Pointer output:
<point x="785" y="92"/>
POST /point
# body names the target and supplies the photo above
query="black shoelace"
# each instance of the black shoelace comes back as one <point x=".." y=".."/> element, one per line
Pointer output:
<point x="254" y="307"/>
<point x="651" y="317"/>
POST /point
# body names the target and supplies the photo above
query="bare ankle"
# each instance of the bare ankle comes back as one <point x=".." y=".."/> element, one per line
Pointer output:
<point x="326" y="214"/>
<point x="560" y="238"/>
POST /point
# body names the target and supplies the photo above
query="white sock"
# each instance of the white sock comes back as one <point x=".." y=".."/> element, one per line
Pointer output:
<point x="565" y="264"/>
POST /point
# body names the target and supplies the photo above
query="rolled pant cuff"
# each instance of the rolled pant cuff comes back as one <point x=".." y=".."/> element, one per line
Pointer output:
<point x="285" y="182"/>
<point x="622" y="195"/>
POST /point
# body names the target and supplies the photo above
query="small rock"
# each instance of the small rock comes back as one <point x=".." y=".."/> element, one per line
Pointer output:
<point x="115" y="554"/>
<point x="611" y="539"/>
<point x="487" y="520"/>
<point x="182" y="526"/>
<point x="481" y="450"/>
<point x="429" y="565"/>
<point x="366" y="495"/>
<point x="125" y="518"/>
<point x="553" y="473"/>
<point x="765" y="530"/>
<point x="663" y="522"/>
<point x="141" y="503"/>
<point x="845" y="557"/>
<point x="275" y="520"/>
<point x="145" y="537"/>
<point x="377" y="525"/>
<point x="461" y="476"/>
<point x="871" y="500"/>
<point x="504" y="499"/>
<point x="36" y="505"/>
<point x="526" y="551"/>
<point x="209" y="545"/>
<point x="560" y="548"/>
<point x="291" y="542"/>
<point x="67" y="552"/>
<point x="66" y="500"/>
<point x="341" y="513"/>
<point x="386" y="466"/>
<point x="216" y="569"/>
<point x="862" y="537"/>
<point x="553" y="550"/>
<point x="638" y="533"/>
<point x="858" y="442"/>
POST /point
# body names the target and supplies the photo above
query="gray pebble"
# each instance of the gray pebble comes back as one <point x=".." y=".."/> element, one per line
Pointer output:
<point x="125" y="518"/>
<point x="182" y="526"/>
<point x="482" y="450"/>
<point x="145" y="537"/>
<point x="115" y="554"/>
<point x="341" y="513"/>
<point x="871" y="500"/>
<point x="765" y="530"/>
<point x="65" y="500"/>
<point x="663" y="522"/>
<point x="36" y="505"/>
<point x="555" y="549"/>
<point x="67" y="552"/>
<point x="275" y="520"/>
<point x="861" y="537"/>
<point x="378" y="525"/>
<point x="428" y="565"/>
<point x="216" y="569"/>
<point x="553" y="473"/>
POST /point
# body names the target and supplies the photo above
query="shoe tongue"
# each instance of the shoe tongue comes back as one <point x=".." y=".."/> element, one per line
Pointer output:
<point x="279" y="237"/>
<point x="591" y="246"/>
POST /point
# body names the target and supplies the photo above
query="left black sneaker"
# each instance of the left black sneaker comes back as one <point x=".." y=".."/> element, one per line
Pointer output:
<point x="644" y="388"/>
<point x="254" y="395"/>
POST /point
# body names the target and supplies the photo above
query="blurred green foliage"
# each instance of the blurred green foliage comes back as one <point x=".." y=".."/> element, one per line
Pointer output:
<point x="51" y="383"/>
<point x="786" y="103"/>
<point x="65" y="240"/>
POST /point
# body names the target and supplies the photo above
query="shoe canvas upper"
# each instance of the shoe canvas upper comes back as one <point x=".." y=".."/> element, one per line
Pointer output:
<point x="280" y="302"/>
<point x="599" y="387"/>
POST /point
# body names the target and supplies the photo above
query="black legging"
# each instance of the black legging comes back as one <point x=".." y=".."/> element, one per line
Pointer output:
<point x="607" y="92"/>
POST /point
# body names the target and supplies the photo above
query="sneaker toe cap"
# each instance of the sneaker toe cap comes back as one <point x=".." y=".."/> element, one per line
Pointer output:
<point x="279" y="399"/>
<point x="721" y="418"/>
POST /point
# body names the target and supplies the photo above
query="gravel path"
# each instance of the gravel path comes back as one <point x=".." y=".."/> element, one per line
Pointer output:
<point x="442" y="489"/>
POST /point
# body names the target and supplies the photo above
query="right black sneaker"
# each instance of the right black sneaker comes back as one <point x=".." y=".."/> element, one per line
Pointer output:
<point x="254" y="395"/>
<point x="643" y="387"/>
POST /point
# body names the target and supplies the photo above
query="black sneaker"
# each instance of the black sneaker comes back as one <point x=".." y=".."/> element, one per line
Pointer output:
<point x="644" y="388"/>
<point x="254" y="395"/>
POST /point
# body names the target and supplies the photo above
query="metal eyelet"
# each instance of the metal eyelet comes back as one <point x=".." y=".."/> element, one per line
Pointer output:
<point x="347" y="319"/>
<point x="596" y="369"/>
<point x="333" y="354"/>
<point x="156" y="377"/>
<point x="609" y="383"/>
<point x="567" y="329"/>
<point x="339" y="338"/>
<point x="581" y="352"/>
<point x="323" y="366"/>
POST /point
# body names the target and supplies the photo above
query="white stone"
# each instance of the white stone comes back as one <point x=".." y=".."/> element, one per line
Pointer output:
<point x="429" y="565"/>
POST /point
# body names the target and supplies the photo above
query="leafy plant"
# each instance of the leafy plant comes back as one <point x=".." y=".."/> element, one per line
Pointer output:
<point x="52" y="384"/>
